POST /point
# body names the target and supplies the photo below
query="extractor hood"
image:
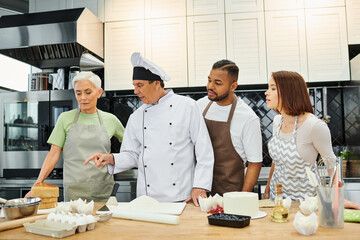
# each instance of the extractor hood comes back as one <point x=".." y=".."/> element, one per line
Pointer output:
<point x="54" y="39"/>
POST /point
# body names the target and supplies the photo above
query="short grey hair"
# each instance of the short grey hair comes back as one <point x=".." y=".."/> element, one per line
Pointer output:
<point x="87" y="75"/>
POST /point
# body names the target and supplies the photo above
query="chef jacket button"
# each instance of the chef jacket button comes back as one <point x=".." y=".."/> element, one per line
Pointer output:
<point x="172" y="163"/>
<point x="145" y="110"/>
<point x="144" y="127"/>
<point x="170" y="105"/>
<point x="173" y="184"/>
<point x="170" y="123"/>
<point x="170" y="143"/>
<point x="148" y="185"/>
<point x="145" y="166"/>
<point x="144" y="146"/>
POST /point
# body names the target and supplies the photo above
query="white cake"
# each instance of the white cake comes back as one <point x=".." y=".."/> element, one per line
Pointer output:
<point x="241" y="203"/>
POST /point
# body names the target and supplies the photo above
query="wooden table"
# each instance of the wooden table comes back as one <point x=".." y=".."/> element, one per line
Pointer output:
<point x="194" y="225"/>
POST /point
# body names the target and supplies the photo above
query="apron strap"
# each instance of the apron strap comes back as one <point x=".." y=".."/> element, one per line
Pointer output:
<point x="279" y="126"/>
<point x="77" y="115"/>
<point x="232" y="110"/>
<point x="207" y="108"/>
<point x="100" y="118"/>
<point x="294" y="132"/>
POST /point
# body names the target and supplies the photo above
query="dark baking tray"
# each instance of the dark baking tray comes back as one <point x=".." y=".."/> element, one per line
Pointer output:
<point x="229" y="220"/>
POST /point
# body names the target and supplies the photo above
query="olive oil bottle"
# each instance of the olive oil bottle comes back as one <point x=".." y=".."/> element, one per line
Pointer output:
<point x="279" y="213"/>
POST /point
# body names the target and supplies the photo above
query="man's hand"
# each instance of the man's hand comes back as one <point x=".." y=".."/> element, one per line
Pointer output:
<point x="195" y="194"/>
<point x="101" y="159"/>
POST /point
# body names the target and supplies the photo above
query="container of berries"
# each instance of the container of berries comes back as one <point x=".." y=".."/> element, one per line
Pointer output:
<point x="229" y="220"/>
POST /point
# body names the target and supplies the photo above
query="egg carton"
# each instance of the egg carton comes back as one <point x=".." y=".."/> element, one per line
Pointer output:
<point x="83" y="222"/>
<point x="50" y="228"/>
<point x="56" y="229"/>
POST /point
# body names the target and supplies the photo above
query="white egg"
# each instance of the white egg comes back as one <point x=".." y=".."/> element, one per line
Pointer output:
<point x="51" y="216"/>
<point x="58" y="217"/>
<point x="81" y="221"/>
<point x="90" y="219"/>
<point x="72" y="220"/>
<point x="65" y="219"/>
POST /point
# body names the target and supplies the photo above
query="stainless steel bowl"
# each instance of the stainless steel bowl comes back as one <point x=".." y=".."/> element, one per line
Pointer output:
<point x="21" y="207"/>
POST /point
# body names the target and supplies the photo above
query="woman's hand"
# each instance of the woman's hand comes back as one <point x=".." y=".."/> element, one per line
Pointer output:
<point x="101" y="159"/>
<point x="350" y="204"/>
<point x="28" y="195"/>
<point x="266" y="195"/>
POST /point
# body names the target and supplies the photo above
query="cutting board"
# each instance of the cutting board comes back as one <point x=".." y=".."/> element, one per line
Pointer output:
<point x="162" y="208"/>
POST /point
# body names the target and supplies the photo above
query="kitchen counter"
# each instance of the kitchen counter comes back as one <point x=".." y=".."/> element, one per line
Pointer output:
<point x="194" y="225"/>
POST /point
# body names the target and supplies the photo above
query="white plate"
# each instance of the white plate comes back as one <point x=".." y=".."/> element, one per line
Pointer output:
<point x="260" y="214"/>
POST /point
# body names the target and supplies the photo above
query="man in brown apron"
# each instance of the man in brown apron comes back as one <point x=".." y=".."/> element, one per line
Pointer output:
<point x="229" y="166"/>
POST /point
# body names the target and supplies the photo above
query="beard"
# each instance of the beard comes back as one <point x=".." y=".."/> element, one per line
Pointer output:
<point x="218" y="98"/>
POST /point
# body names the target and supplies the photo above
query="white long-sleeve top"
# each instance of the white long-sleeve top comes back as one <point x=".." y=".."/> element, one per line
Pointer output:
<point x="312" y="137"/>
<point x="169" y="144"/>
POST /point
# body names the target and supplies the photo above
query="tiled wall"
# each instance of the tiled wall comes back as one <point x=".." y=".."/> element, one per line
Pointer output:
<point x="341" y="104"/>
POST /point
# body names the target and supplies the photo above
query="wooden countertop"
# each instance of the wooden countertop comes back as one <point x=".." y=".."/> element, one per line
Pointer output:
<point x="194" y="225"/>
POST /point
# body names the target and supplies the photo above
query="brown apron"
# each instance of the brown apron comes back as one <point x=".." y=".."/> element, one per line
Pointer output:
<point x="228" y="167"/>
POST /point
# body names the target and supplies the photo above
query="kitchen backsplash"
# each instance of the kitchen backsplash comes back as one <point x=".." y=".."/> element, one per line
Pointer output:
<point x="341" y="104"/>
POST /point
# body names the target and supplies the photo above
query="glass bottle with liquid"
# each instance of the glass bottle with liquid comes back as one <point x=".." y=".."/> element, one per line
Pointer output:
<point x="279" y="213"/>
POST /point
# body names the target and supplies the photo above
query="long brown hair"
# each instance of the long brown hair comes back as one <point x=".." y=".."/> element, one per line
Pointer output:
<point x="292" y="93"/>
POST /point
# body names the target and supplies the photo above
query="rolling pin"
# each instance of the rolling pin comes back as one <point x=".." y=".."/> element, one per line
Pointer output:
<point x="19" y="222"/>
<point x="148" y="217"/>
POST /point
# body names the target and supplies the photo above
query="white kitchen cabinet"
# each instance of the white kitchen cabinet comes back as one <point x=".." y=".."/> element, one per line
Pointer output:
<point x="245" y="36"/>
<point x="206" y="45"/>
<point x="328" y="58"/>
<point x="46" y="5"/>
<point x="95" y="6"/>
<point x="234" y="6"/>
<point x="324" y="3"/>
<point x="116" y="10"/>
<point x="201" y="7"/>
<point x="353" y="21"/>
<point x="286" y="41"/>
<point x="165" y="8"/>
<point x="121" y="40"/>
<point x="283" y="4"/>
<point x="165" y="45"/>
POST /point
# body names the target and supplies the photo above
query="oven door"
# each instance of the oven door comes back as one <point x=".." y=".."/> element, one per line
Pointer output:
<point x="26" y="120"/>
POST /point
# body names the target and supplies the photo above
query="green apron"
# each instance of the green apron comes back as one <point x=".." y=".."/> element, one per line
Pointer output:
<point x="86" y="182"/>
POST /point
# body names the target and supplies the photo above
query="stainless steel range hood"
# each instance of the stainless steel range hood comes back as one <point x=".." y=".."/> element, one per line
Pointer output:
<point x="53" y="39"/>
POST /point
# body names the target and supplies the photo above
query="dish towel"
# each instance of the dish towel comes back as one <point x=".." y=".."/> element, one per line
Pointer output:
<point x="351" y="215"/>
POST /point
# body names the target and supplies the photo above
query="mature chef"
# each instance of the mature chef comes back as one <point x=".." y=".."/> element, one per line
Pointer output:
<point x="166" y="139"/>
<point x="80" y="133"/>
<point x="234" y="129"/>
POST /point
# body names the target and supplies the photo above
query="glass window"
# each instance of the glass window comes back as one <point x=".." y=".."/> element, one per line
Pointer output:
<point x="21" y="126"/>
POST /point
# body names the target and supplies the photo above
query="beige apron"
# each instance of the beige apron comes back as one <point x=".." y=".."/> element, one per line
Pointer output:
<point x="86" y="182"/>
<point x="228" y="167"/>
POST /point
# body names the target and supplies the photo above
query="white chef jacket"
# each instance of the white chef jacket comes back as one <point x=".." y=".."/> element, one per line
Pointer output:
<point x="169" y="144"/>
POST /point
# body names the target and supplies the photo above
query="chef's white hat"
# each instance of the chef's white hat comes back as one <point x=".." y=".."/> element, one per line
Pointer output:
<point x="146" y="70"/>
